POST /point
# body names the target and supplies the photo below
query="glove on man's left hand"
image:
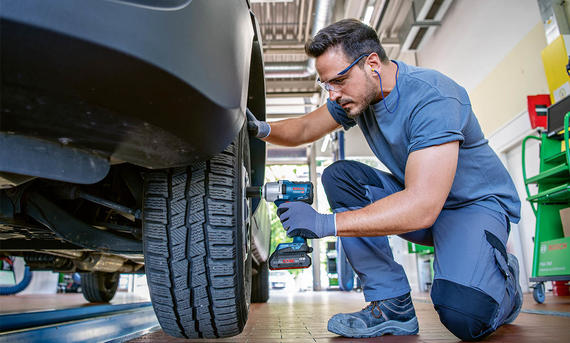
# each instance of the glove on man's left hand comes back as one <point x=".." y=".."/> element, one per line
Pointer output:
<point x="300" y="219"/>
<point x="258" y="128"/>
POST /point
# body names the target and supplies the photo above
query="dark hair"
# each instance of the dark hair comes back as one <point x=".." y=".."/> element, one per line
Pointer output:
<point x="355" y="38"/>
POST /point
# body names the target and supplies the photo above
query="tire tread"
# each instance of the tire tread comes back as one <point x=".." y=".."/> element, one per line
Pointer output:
<point x="190" y="247"/>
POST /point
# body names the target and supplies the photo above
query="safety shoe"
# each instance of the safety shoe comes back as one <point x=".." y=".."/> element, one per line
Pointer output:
<point x="514" y="269"/>
<point x="394" y="316"/>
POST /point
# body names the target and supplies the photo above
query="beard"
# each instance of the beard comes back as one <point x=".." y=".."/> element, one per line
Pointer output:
<point x="360" y="106"/>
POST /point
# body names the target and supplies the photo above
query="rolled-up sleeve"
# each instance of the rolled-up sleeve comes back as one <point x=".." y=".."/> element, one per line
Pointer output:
<point x="339" y="115"/>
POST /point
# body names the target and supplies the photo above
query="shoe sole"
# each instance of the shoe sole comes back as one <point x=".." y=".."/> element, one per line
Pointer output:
<point x="391" y="327"/>
<point x="515" y="265"/>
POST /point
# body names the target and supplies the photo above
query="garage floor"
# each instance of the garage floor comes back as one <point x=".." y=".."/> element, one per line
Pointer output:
<point x="45" y="302"/>
<point x="302" y="317"/>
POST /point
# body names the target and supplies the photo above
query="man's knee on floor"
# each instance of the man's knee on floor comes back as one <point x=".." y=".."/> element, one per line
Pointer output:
<point x="467" y="312"/>
<point x="465" y="326"/>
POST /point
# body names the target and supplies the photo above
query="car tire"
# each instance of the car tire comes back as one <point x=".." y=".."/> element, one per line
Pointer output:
<point x="260" y="284"/>
<point x="196" y="223"/>
<point x="99" y="287"/>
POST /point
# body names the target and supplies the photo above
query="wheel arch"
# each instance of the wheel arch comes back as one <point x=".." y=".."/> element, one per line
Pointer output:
<point x="261" y="228"/>
<point x="256" y="104"/>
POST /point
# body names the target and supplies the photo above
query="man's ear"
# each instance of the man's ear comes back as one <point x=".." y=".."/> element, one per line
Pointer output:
<point x="373" y="62"/>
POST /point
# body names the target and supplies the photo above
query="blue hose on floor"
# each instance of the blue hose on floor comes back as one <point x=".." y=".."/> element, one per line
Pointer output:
<point x="20" y="286"/>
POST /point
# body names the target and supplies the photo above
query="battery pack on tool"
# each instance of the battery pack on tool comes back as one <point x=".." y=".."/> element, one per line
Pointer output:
<point x="293" y="255"/>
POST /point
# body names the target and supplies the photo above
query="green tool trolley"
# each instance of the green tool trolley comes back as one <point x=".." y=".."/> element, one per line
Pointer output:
<point x="551" y="260"/>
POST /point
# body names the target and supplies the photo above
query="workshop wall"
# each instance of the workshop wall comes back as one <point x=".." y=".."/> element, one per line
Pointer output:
<point x="492" y="48"/>
<point x="502" y="94"/>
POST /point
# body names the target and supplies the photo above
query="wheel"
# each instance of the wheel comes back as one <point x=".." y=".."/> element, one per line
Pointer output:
<point x="99" y="287"/>
<point x="538" y="293"/>
<point x="260" y="284"/>
<point x="196" y="224"/>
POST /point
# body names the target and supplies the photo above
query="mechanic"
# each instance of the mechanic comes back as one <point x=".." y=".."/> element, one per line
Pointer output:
<point x="447" y="189"/>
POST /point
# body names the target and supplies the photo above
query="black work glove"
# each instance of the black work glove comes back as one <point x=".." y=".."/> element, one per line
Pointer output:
<point x="258" y="128"/>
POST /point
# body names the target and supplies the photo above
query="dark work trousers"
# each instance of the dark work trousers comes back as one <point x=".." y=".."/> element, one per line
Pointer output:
<point x="473" y="290"/>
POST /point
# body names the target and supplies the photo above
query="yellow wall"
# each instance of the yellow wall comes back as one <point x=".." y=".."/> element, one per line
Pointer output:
<point x="502" y="94"/>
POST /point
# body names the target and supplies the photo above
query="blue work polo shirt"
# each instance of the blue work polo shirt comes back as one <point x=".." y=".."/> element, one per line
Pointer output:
<point x="431" y="110"/>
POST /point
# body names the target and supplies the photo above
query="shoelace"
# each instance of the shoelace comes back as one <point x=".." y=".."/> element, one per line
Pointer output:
<point x="374" y="305"/>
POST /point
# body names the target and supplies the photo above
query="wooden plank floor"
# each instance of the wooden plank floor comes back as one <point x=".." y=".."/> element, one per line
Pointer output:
<point x="302" y="317"/>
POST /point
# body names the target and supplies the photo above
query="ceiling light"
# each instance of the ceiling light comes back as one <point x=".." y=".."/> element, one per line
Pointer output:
<point x="368" y="15"/>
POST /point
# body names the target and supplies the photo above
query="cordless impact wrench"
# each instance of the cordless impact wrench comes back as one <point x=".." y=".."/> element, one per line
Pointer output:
<point x="290" y="255"/>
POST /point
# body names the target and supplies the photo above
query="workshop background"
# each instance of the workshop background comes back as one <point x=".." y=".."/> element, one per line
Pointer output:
<point x="491" y="48"/>
<point x="502" y="52"/>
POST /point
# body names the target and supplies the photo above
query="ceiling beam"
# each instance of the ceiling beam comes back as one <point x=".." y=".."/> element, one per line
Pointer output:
<point x="291" y="86"/>
<point x="354" y="8"/>
<point x="291" y="94"/>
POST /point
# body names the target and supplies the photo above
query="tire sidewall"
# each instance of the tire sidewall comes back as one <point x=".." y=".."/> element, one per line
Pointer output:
<point x="243" y="229"/>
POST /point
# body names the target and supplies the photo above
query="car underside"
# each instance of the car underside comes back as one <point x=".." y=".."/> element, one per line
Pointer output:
<point x="116" y="157"/>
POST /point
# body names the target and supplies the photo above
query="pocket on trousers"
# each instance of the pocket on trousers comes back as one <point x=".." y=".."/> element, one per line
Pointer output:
<point x="492" y="270"/>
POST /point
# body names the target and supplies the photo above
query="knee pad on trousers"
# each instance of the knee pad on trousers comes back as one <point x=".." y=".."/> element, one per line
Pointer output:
<point x="466" y="312"/>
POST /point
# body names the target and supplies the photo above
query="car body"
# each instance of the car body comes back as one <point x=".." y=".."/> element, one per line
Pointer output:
<point x="103" y="101"/>
<point x="280" y="279"/>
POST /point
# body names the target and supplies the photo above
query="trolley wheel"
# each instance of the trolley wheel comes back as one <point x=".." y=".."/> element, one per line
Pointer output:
<point x="538" y="293"/>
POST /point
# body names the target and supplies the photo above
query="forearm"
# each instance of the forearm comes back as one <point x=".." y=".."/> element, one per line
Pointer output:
<point x="301" y="130"/>
<point x="398" y="213"/>
<point x="288" y="132"/>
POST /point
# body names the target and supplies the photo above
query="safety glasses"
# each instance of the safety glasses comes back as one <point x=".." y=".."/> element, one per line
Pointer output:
<point x="336" y="83"/>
